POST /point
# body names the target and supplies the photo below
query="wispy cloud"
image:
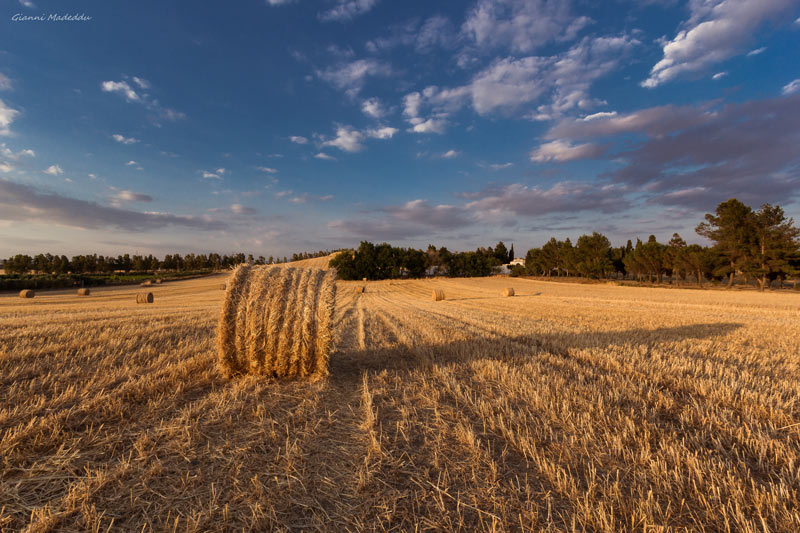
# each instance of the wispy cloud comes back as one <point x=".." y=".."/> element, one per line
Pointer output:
<point x="124" y="140"/>
<point x="347" y="9"/>
<point x="297" y="139"/>
<point x="350" y="77"/>
<point x="136" y="94"/>
<point x="7" y="116"/>
<point x="324" y="157"/>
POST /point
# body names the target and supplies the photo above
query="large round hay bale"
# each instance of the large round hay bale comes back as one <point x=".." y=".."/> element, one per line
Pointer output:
<point x="277" y="322"/>
<point x="144" y="298"/>
<point x="438" y="295"/>
<point x="364" y="279"/>
<point x="83" y="292"/>
<point x="508" y="291"/>
<point x="26" y="293"/>
<point x="158" y="281"/>
<point x="224" y="286"/>
<point x="361" y="289"/>
<point x="146" y="283"/>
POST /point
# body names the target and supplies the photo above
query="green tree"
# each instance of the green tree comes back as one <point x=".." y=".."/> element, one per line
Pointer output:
<point x="731" y="230"/>
<point x="776" y="239"/>
<point x="593" y="255"/>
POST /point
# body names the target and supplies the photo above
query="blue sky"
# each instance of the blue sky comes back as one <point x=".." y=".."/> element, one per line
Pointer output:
<point x="287" y="125"/>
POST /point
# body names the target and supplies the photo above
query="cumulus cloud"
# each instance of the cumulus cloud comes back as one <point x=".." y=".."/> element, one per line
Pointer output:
<point x="347" y="139"/>
<point x="509" y="83"/>
<point x="423" y="36"/>
<point x="522" y="25"/>
<point x="212" y="174"/>
<point x="53" y="170"/>
<point x="5" y="82"/>
<point x="25" y="203"/>
<point x="297" y="139"/>
<point x="791" y="87"/>
<point x="383" y="132"/>
<point x="8" y="153"/>
<point x="131" y="196"/>
<point x="372" y="107"/>
<point x="131" y="163"/>
<point x="135" y="94"/>
<point x="715" y="31"/>
<point x="124" y="140"/>
<point x="351" y="77"/>
<point x="347" y="9"/>
<point x="565" y="197"/>
<point x="7" y="116"/>
<point x="561" y="151"/>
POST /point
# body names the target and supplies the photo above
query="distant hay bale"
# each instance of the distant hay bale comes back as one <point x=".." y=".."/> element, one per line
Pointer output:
<point x="438" y="295"/>
<point x="146" y="283"/>
<point x="224" y="286"/>
<point x="364" y="279"/>
<point x="508" y="291"/>
<point x="144" y="298"/>
<point x="277" y="322"/>
<point x="158" y="281"/>
<point x="361" y="289"/>
<point x="83" y="292"/>
<point x="26" y="293"/>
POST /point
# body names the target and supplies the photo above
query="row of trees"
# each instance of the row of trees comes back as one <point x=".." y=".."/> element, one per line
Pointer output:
<point x="384" y="261"/>
<point x="761" y="245"/>
<point x="99" y="264"/>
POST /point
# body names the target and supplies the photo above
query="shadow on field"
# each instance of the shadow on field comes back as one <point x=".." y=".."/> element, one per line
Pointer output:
<point x="349" y="362"/>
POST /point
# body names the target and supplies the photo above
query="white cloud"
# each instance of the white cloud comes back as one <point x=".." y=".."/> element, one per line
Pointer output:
<point x="268" y="170"/>
<point x="53" y="170"/>
<point x="279" y="2"/>
<point x="719" y="75"/>
<point x="6" y="167"/>
<point x="499" y="166"/>
<point x="5" y="82"/>
<point x="7" y="116"/>
<point x="372" y="107"/>
<point x="220" y="171"/>
<point x="8" y="153"/>
<point x="509" y="83"/>
<point x="131" y="163"/>
<point x="131" y="196"/>
<point x="347" y="9"/>
<point x="757" y="51"/>
<point x="521" y="25"/>
<point x="297" y="139"/>
<point x="715" y="31"/>
<point x="350" y="77"/>
<point x="324" y="157"/>
<point x="27" y="3"/>
<point x="450" y="154"/>
<point x="561" y="151"/>
<point x="791" y="87"/>
<point x="122" y="88"/>
<point x="210" y="175"/>
<point x="601" y="114"/>
<point x="239" y="209"/>
<point x="124" y="140"/>
<point x="385" y="132"/>
<point x="347" y="139"/>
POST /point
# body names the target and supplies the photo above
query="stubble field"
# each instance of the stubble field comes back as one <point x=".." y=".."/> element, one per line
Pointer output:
<point x="565" y="408"/>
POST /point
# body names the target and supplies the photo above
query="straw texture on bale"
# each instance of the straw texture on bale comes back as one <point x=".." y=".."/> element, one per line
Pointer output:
<point x="223" y="286"/>
<point x="83" y="292"/>
<point x="26" y="293"/>
<point x="277" y="322"/>
<point x="508" y="291"/>
<point x="144" y="298"/>
<point x="438" y="295"/>
<point x="361" y="289"/>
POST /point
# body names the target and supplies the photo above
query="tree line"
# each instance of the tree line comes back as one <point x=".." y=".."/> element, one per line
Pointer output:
<point x="761" y="245"/>
<point x="384" y="261"/>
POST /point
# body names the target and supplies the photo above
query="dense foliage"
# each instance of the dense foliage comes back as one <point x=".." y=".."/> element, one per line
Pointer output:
<point x="761" y="245"/>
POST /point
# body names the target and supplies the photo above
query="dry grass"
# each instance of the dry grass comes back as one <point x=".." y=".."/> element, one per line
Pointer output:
<point x="276" y="322"/>
<point x="567" y="407"/>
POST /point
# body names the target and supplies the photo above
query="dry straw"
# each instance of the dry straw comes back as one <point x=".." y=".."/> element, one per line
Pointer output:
<point x="361" y="289"/>
<point x="83" y="292"/>
<point x="277" y="322"/>
<point x="146" y="283"/>
<point x="508" y="291"/>
<point x="26" y="293"/>
<point x="144" y="298"/>
<point x="158" y="282"/>
<point x="438" y="295"/>
<point x="224" y="286"/>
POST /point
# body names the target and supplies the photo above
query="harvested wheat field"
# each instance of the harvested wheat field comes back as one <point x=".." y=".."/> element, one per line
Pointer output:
<point x="565" y="408"/>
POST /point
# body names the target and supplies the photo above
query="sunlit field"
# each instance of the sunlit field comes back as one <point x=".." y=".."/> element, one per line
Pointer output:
<point x="566" y="407"/>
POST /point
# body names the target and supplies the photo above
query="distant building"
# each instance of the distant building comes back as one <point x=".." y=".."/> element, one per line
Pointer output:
<point x="518" y="261"/>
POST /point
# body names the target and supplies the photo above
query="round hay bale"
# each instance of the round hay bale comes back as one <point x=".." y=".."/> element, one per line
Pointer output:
<point x="83" y="292"/>
<point x="144" y="298"/>
<point x="438" y="295"/>
<point x="508" y="291"/>
<point x="26" y="293"/>
<point x="224" y="286"/>
<point x="158" y="281"/>
<point x="146" y="283"/>
<point x="277" y="322"/>
<point x="365" y="279"/>
<point x="361" y="289"/>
